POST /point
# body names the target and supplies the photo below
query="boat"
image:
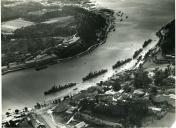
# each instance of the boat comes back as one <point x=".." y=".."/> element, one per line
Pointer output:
<point x="94" y="74"/>
<point x="37" y="68"/>
<point x="55" y="88"/>
<point x="75" y="88"/>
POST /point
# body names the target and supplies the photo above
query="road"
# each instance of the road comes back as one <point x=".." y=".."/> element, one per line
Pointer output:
<point x="43" y="119"/>
<point x="46" y="119"/>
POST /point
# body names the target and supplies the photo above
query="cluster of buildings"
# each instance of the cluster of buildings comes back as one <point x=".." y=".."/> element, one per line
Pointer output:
<point x="27" y="60"/>
<point x="16" y="118"/>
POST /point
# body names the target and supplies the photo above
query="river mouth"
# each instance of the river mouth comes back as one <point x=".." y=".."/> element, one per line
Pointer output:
<point x="25" y="88"/>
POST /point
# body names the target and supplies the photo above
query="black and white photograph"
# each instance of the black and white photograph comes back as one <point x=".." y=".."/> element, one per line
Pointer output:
<point x="88" y="64"/>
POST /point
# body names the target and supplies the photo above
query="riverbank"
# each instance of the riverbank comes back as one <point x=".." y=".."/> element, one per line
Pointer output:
<point x="74" y="96"/>
<point x="120" y="44"/>
<point x="160" y="106"/>
<point x="90" y="95"/>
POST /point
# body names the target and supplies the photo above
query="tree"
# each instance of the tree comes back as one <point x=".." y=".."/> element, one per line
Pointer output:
<point x="37" y="106"/>
<point x="116" y="85"/>
<point x="25" y="109"/>
<point x="127" y="88"/>
<point x="153" y="91"/>
<point x="141" y="79"/>
<point x="12" y="123"/>
<point x="168" y="82"/>
<point x="7" y="113"/>
<point x="83" y="104"/>
<point x="89" y="24"/>
<point x="16" y="111"/>
<point x="161" y="76"/>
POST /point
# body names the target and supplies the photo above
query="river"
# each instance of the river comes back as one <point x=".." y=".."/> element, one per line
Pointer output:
<point x="26" y="87"/>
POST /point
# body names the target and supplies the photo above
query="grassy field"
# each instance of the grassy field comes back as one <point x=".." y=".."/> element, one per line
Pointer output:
<point x="12" y="25"/>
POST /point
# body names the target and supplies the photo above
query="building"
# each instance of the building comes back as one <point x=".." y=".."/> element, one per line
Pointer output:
<point x="81" y="125"/>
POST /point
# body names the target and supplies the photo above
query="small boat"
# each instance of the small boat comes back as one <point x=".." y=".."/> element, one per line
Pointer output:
<point x="75" y="88"/>
<point x="41" y="67"/>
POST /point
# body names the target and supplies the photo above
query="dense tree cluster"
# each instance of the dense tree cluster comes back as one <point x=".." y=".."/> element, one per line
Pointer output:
<point x="89" y="25"/>
<point x="168" y="42"/>
<point x="141" y="79"/>
<point x="116" y="85"/>
<point x="161" y="77"/>
<point x="131" y="112"/>
<point x="45" y="30"/>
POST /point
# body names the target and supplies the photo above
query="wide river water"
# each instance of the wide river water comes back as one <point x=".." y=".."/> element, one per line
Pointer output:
<point x="26" y="87"/>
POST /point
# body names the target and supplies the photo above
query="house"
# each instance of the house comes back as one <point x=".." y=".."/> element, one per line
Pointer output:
<point x="138" y="93"/>
<point x="104" y="97"/>
<point x="155" y="109"/>
<point x="81" y="125"/>
<point x="4" y="68"/>
<point x="39" y="124"/>
<point x="71" y="110"/>
<point x="170" y="56"/>
<point x="12" y="64"/>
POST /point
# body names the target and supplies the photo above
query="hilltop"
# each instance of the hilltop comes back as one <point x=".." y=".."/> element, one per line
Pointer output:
<point x="51" y="33"/>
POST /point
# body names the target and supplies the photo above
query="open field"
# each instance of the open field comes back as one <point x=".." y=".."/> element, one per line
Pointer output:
<point x="12" y="25"/>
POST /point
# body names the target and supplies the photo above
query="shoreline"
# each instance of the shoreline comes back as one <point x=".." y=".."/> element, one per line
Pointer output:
<point x="110" y="73"/>
<point x="128" y="66"/>
<point x="157" y="122"/>
<point x="64" y="108"/>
